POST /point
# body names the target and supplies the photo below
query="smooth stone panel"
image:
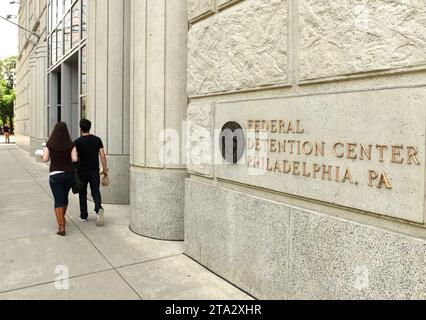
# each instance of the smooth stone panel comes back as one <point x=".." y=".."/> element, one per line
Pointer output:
<point x="242" y="48"/>
<point x="138" y="83"/>
<point x="343" y="122"/>
<point x="156" y="74"/>
<point x="103" y="286"/>
<point x="100" y="41"/>
<point x="181" y="279"/>
<point x="176" y="100"/>
<point x="116" y="77"/>
<point x="157" y="203"/>
<point x="242" y="238"/>
<point x="119" y="174"/>
<point x="337" y="259"/>
<point x="348" y="37"/>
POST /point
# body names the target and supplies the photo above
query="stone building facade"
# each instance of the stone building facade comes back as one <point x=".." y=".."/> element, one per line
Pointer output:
<point x="324" y="196"/>
<point x="31" y="91"/>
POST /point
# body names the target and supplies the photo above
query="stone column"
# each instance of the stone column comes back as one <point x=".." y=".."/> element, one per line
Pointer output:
<point x="38" y="95"/>
<point x="158" y="103"/>
<point x="108" y="89"/>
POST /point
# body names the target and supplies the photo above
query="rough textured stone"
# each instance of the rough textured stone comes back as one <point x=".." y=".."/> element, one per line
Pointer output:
<point x="243" y="47"/>
<point x="197" y="8"/>
<point x="344" y="37"/>
<point x="157" y="203"/>
<point x="337" y="259"/>
<point x="119" y="173"/>
<point x="240" y="237"/>
<point x="201" y="125"/>
<point x="275" y="251"/>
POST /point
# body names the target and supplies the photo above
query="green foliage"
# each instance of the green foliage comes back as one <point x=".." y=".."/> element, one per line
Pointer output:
<point x="7" y="91"/>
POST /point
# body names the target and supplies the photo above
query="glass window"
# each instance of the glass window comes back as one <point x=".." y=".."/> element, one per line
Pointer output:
<point x="67" y="32"/>
<point x="84" y="70"/>
<point x="60" y="41"/>
<point x="83" y="19"/>
<point x="75" y="24"/>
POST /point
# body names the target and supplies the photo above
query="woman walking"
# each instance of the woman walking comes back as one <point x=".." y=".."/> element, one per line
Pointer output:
<point x="61" y="152"/>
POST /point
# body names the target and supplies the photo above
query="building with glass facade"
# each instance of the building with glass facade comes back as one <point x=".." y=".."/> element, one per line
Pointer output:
<point x="67" y="56"/>
<point x="327" y="196"/>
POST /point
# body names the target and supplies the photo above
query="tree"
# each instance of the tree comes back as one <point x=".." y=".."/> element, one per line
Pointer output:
<point x="7" y="91"/>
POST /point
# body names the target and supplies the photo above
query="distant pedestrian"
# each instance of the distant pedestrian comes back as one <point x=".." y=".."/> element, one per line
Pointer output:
<point x="6" y="132"/>
<point x="90" y="148"/>
<point x="61" y="152"/>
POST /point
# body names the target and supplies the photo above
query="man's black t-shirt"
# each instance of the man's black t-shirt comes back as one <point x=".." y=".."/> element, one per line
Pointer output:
<point x="88" y="149"/>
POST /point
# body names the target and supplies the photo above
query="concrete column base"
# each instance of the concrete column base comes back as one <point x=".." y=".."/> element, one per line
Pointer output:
<point x="157" y="203"/>
<point x="119" y="173"/>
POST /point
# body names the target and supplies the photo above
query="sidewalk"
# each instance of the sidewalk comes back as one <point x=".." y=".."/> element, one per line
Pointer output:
<point x="102" y="263"/>
<point x="12" y="139"/>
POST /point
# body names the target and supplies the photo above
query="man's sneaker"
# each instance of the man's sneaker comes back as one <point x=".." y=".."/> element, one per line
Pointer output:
<point x="83" y="220"/>
<point x="101" y="218"/>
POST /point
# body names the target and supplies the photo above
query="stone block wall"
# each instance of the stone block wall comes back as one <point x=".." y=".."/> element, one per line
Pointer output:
<point x="241" y="48"/>
<point x="339" y="38"/>
<point x="31" y="97"/>
<point x="243" y="56"/>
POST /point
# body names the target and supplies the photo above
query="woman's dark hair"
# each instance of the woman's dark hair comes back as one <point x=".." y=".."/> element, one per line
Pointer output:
<point x="60" y="139"/>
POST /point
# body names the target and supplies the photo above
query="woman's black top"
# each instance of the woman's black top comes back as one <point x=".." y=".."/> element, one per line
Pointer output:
<point x="61" y="160"/>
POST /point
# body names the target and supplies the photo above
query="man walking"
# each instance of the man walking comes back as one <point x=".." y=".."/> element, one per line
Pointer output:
<point x="6" y="132"/>
<point x="90" y="148"/>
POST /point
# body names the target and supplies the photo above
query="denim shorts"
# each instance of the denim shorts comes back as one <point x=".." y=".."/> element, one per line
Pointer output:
<point x="61" y="185"/>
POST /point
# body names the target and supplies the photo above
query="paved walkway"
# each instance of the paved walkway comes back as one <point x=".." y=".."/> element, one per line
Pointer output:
<point x="3" y="141"/>
<point x="102" y="263"/>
